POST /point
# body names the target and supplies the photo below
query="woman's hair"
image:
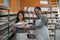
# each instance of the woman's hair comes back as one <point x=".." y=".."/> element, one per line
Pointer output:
<point x="37" y="7"/>
<point x="20" y="12"/>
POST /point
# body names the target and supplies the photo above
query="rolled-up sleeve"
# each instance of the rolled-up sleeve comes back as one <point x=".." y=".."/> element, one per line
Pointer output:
<point x="43" y="21"/>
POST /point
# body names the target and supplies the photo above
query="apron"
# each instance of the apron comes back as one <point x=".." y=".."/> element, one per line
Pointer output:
<point x="20" y="34"/>
<point x="41" y="33"/>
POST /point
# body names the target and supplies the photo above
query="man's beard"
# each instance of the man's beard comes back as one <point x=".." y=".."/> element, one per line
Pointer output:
<point x="38" y="15"/>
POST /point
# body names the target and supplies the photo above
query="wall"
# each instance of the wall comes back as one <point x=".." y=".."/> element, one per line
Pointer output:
<point x="24" y="3"/>
<point x="0" y="1"/>
<point x="13" y="5"/>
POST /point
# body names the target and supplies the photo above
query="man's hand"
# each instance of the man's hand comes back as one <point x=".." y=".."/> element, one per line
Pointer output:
<point x="26" y="27"/>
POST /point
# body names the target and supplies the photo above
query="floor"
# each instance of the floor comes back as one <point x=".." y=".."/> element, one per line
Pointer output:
<point x="14" y="38"/>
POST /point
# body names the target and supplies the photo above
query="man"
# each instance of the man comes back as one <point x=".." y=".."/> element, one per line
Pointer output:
<point x="39" y="25"/>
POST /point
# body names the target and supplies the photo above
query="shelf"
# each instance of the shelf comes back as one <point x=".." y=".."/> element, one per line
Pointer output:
<point x="3" y="23"/>
<point x="51" y="29"/>
<point x="3" y="8"/>
<point x="54" y="11"/>
<point x="51" y="23"/>
<point x="1" y="36"/>
<point x="3" y="20"/>
<point x="30" y="23"/>
<point x="46" y="12"/>
<point x="12" y="19"/>
<point x="3" y="28"/>
<point x="10" y="24"/>
<point x="52" y="18"/>
<point x="4" y="37"/>
<point x="32" y="33"/>
<point x="10" y="34"/>
<point x="51" y="33"/>
<point x="7" y="15"/>
<point x="10" y="29"/>
<point x="29" y="17"/>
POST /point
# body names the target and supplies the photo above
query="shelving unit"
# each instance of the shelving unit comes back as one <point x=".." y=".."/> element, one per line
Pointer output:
<point x="58" y="29"/>
<point x="6" y="23"/>
<point x="51" y="18"/>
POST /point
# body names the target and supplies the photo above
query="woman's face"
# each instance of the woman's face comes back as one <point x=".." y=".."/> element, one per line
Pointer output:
<point x="20" y="16"/>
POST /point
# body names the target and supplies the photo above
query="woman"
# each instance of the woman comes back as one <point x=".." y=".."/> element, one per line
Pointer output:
<point x="20" y="32"/>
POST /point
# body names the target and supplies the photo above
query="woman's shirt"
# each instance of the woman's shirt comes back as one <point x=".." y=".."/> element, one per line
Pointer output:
<point x="19" y="29"/>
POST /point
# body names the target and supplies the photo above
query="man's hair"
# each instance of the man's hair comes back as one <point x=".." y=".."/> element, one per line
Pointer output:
<point x="37" y="7"/>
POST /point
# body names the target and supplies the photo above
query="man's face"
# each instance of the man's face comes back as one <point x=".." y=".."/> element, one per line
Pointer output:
<point x="38" y="12"/>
